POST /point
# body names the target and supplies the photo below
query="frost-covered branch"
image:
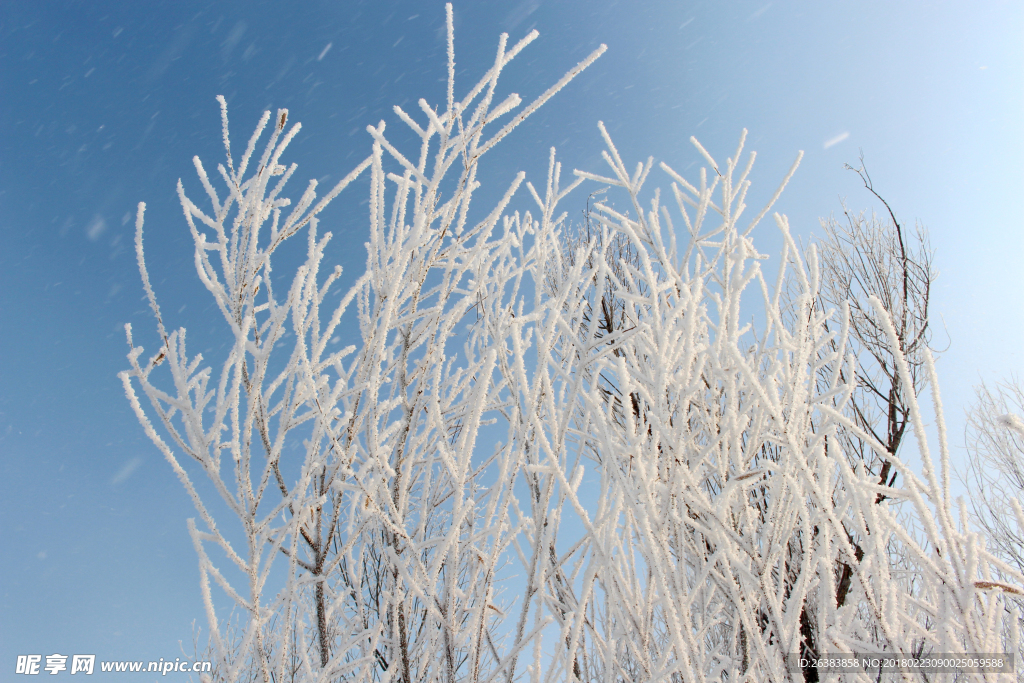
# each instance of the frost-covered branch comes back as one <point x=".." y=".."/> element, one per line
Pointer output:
<point x="553" y="452"/>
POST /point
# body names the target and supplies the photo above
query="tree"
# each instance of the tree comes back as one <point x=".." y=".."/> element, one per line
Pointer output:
<point x="995" y="466"/>
<point x="413" y="507"/>
<point x="872" y="257"/>
<point x="864" y="259"/>
<point x="995" y="447"/>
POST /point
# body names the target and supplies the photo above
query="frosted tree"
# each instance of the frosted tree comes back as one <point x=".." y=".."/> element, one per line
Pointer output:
<point x="866" y="257"/>
<point x="995" y="447"/>
<point x="550" y="455"/>
<point x="862" y="258"/>
<point x="385" y="540"/>
<point x="727" y="519"/>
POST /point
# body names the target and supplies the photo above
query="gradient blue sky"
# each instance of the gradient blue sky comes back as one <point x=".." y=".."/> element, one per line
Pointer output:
<point x="103" y="105"/>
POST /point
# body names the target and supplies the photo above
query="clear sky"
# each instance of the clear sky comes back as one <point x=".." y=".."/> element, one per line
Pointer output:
<point x="103" y="105"/>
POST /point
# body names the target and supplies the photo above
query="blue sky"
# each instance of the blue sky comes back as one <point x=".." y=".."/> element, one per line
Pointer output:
<point x="103" y="105"/>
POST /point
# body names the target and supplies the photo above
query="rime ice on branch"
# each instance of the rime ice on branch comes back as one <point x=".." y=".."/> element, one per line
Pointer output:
<point x="412" y="507"/>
